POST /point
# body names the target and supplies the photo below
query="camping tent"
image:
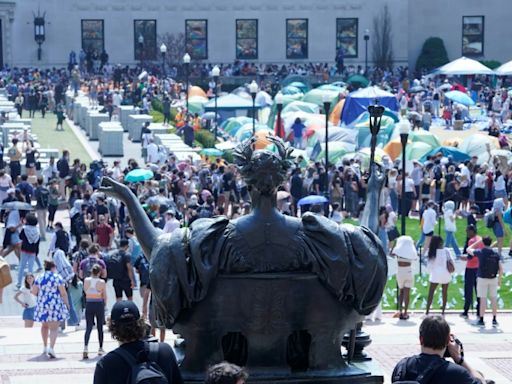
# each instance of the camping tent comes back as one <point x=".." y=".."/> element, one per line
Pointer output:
<point x="357" y="102"/>
<point x="230" y="105"/>
<point x="505" y="69"/>
<point x="464" y="66"/>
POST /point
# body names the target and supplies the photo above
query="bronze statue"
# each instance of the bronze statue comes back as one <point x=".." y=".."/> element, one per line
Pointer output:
<point x="267" y="290"/>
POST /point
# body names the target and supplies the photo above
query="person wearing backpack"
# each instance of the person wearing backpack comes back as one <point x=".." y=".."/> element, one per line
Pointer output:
<point x="119" y="268"/>
<point x="429" y="366"/>
<point x="135" y="360"/>
<point x="42" y="195"/>
<point x="86" y="265"/>
<point x="59" y="240"/>
<point x="490" y="272"/>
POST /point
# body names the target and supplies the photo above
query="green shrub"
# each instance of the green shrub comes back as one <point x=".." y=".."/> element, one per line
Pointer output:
<point x="158" y="117"/>
<point x="433" y="54"/>
<point x="493" y="64"/>
<point x="156" y="104"/>
<point x="205" y="138"/>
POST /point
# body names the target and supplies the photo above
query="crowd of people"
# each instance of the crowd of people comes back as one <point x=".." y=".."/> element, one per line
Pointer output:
<point x="100" y="242"/>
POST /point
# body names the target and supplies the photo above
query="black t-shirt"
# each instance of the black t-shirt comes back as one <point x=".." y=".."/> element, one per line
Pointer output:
<point x="448" y="373"/>
<point x="102" y="210"/>
<point x="113" y="369"/>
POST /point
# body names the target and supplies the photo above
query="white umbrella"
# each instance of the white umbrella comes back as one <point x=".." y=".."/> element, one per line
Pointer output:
<point x="505" y="69"/>
<point x="464" y="66"/>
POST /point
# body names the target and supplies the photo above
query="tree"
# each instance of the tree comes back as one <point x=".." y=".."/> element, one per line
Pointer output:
<point x="175" y="44"/>
<point x="433" y="55"/>
<point x="382" y="41"/>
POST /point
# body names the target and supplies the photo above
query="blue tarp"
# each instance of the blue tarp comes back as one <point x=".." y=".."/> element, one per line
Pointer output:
<point x="357" y="102"/>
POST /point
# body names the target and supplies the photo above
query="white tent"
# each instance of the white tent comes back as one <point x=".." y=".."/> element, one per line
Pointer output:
<point x="505" y="69"/>
<point x="464" y="66"/>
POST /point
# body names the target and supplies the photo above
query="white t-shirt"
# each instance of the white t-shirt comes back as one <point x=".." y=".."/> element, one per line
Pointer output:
<point x="429" y="220"/>
<point x="409" y="185"/>
<point x="27" y="297"/>
<point x="499" y="183"/>
<point x="466" y="173"/>
<point x="438" y="269"/>
<point x="479" y="181"/>
<point x="153" y="156"/>
<point x="171" y="225"/>
<point x="449" y="221"/>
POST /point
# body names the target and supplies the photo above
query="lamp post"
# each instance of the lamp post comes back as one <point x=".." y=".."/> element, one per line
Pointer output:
<point x="327" y="106"/>
<point x="215" y="75"/>
<point x="141" y="49"/>
<point x="376" y="112"/>
<point x="163" y="51"/>
<point x="39" y="32"/>
<point x="253" y="90"/>
<point x="404" y="127"/>
<point x="186" y="62"/>
<point x="279" y="105"/>
<point x="366" y="38"/>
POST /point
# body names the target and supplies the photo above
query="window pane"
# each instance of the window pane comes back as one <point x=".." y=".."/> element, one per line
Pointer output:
<point x="92" y="35"/>
<point x="347" y="36"/>
<point x="473" y="35"/>
<point x="145" y="39"/>
<point x="297" y="38"/>
<point x="196" y="36"/>
<point x="247" y="39"/>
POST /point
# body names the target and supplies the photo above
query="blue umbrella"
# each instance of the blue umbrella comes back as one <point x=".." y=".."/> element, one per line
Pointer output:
<point x="459" y="97"/>
<point x="138" y="175"/>
<point x="312" y="199"/>
<point x="211" y="152"/>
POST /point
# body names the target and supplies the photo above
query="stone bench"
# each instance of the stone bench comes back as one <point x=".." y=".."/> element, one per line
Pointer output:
<point x="110" y="134"/>
<point x="94" y="118"/>
<point x="135" y="123"/>
<point x="124" y="112"/>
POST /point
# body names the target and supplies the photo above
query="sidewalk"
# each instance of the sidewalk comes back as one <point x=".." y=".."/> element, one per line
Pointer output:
<point x="21" y="361"/>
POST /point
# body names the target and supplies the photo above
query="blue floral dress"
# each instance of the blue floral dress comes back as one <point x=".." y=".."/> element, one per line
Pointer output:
<point x="50" y="306"/>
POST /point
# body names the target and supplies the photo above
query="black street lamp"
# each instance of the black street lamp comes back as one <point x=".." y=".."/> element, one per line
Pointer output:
<point x="279" y="105"/>
<point x="186" y="63"/>
<point x="376" y="112"/>
<point x="215" y="75"/>
<point x="163" y="51"/>
<point x="253" y="90"/>
<point x="327" y="106"/>
<point x="141" y="49"/>
<point x="404" y="128"/>
<point x="366" y="38"/>
<point x="39" y="32"/>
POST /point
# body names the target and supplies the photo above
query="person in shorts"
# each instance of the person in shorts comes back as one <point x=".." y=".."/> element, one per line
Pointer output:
<point x="405" y="253"/>
<point x="126" y="282"/>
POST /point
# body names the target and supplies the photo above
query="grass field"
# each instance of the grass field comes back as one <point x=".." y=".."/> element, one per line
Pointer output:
<point x="48" y="137"/>
<point x="456" y="288"/>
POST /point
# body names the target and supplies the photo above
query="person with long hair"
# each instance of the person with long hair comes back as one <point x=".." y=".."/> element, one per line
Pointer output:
<point x="52" y="305"/>
<point x="95" y="299"/>
<point x="439" y="259"/>
<point x="28" y="300"/>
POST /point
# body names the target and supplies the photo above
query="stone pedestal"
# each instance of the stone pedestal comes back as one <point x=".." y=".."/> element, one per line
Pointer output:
<point x="124" y="112"/>
<point x="158" y="128"/>
<point x="94" y="118"/>
<point x="135" y="123"/>
<point x="111" y="139"/>
<point x="84" y="108"/>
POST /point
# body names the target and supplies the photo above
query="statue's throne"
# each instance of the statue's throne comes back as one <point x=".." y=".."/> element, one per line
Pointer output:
<point x="284" y="327"/>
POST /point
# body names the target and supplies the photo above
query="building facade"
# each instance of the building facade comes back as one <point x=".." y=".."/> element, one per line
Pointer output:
<point x="266" y="30"/>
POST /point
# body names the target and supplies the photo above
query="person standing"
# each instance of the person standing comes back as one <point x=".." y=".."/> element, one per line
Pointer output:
<point x="428" y="224"/>
<point x="15" y="155"/>
<point x="52" y="305"/>
<point x="121" y="271"/>
<point x="64" y="172"/>
<point x="450" y="227"/>
<point x="498" y="228"/>
<point x="405" y="253"/>
<point x="95" y="291"/>
<point x="490" y="272"/>
<point x="28" y="301"/>
<point x="104" y="234"/>
<point x="129" y="329"/>
<point x="166" y="110"/>
<point x="470" y="273"/>
<point x="440" y="266"/>
<point x="298" y="128"/>
<point x="42" y="195"/>
<point x="29" y="237"/>
<point x="18" y="104"/>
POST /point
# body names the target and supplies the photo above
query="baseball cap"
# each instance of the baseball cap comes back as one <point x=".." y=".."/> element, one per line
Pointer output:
<point x="124" y="311"/>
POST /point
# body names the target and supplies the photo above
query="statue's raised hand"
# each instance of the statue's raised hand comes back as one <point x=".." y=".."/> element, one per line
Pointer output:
<point x="112" y="188"/>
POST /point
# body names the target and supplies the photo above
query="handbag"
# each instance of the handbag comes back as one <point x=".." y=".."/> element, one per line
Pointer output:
<point x="5" y="273"/>
<point x="449" y="264"/>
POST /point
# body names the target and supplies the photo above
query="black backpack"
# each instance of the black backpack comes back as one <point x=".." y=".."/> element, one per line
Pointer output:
<point x="116" y="267"/>
<point x="62" y="241"/>
<point x="490" y="265"/>
<point x="144" y="372"/>
<point x="43" y="197"/>
<point x="424" y="377"/>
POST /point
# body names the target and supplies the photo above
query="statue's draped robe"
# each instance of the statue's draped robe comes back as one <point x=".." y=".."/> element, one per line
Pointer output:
<point x="348" y="260"/>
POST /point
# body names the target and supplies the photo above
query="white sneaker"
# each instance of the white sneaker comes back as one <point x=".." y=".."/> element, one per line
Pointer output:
<point x="85" y="354"/>
<point x="101" y="352"/>
<point x="51" y="353"/>
<point x="45" y="350"/>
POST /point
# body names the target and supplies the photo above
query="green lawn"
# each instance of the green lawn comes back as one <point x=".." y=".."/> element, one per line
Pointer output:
<point x="419" y="294"/>
<point x="412" y="226"/>
<point x="48" y="137"/>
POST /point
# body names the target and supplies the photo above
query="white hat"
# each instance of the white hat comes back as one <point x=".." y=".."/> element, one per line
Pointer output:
<point x="405" y="248"/>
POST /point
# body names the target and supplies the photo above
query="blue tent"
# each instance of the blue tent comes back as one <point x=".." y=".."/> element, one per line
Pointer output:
<point x="457" y="155"/>
<point x="230" y="105"/>
<point x="357" y="102"/>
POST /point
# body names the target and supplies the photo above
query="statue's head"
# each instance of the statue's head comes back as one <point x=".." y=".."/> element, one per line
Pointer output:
<point x="264" y="170"/>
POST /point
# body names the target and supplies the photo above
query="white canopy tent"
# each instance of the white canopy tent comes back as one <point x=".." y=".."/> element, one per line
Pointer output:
<point x="464" y="66"/>
<point x="505" y="69"/>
